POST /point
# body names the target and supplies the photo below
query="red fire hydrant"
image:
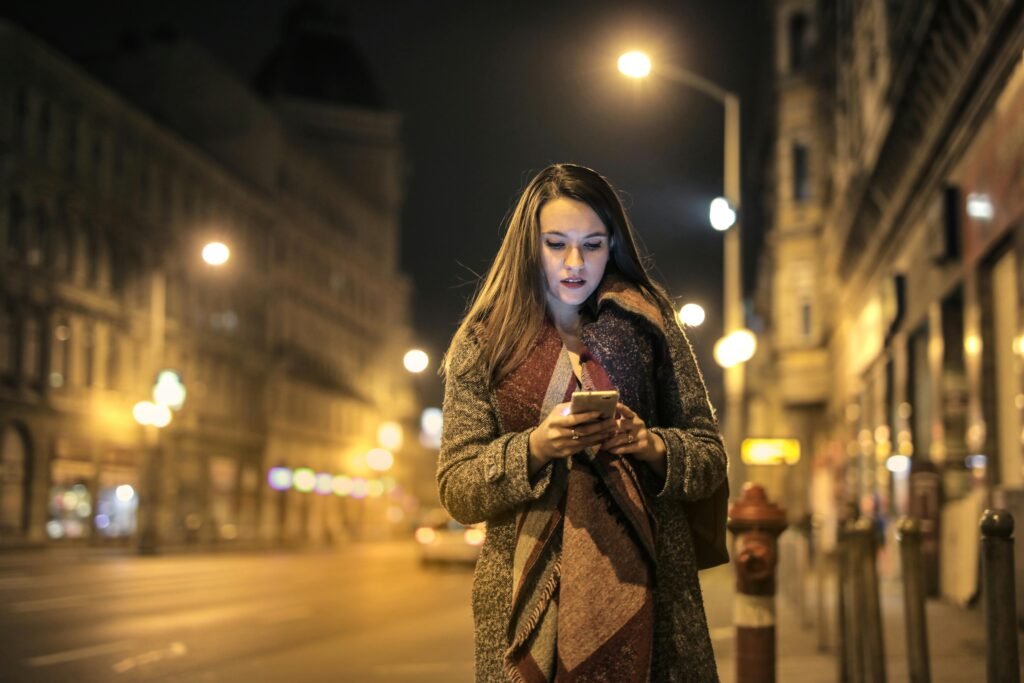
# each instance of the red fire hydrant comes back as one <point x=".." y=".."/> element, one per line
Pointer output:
<point x="756" y="524"/>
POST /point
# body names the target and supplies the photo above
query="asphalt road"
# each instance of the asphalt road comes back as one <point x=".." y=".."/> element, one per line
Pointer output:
<point x="367" y="613"/>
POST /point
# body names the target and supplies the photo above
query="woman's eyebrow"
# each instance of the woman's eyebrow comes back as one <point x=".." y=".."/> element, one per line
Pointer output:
<point x="562" y="234"/>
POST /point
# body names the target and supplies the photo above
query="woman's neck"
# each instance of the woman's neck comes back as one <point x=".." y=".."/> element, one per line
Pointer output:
<point x="566" y="319"/>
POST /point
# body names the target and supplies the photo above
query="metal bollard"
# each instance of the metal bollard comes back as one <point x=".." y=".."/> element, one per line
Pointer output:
<point x="756" y="524"/>
<point x="874" y="642"/>
<point x="1001" y="656"/>
<point x="852" y="589"/>
<point x="909" y="534"/>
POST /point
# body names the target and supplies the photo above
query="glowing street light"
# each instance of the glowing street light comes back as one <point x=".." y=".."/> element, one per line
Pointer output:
<point x="389" y="435"/>
<point x="721" y="214"/>
<point x="735" y="348"/>
<point x="635" y="64"/>
<point x="416" y="361"/>
<point x="216" y="253"/>
<point x="379" y="459"/>
<point x="691" y="315"/>
<point x="151" y="414"/>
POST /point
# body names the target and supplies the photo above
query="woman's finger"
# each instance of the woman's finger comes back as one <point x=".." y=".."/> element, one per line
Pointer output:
<point x="625" y="411"/>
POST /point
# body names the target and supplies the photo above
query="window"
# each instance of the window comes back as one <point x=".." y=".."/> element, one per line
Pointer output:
<point x="113" y="360"/>
<point x="7" y="343"/>
<point x="31" y="357"/>
<point x="71" y="160"/>
<point x="805" y="319"/>
<point x="89" y="355"/>
<point x="38" y="238"/>
<point x="801" y="175"/>
<point x="16" y="225"/>
<point x="21" y="114"/>
<point x="61" y="356"/>
<point x="798" y="45"/>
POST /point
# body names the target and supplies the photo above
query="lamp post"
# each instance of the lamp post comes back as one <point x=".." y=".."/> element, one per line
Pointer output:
<point x="168" y="393"/>
<point x="637" y="65"/>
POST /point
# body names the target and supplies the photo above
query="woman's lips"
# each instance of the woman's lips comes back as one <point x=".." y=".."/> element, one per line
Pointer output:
<point x="573" y="284"/>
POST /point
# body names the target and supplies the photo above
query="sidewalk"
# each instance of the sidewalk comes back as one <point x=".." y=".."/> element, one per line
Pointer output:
<point x="956" y="638"/>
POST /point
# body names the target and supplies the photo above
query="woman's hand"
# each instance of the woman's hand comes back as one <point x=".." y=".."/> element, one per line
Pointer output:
<point x="633" y="438"/>
<point x="562" y="434"/>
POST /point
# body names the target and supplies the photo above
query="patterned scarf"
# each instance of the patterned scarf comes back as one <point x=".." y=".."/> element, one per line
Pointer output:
<point x="583" y="575"/>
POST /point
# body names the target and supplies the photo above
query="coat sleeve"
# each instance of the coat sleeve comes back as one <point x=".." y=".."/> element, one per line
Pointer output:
<point x="696" y="462"/>
<point x="482" y="473"/>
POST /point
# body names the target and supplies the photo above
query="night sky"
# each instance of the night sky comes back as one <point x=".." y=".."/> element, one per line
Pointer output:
<point x="491" y="92"/>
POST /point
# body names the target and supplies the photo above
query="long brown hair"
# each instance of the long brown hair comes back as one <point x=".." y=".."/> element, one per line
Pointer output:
<point x="507" y="311"/>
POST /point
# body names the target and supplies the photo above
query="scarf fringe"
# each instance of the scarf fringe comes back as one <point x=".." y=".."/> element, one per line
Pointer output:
<point x="546" y="595"/>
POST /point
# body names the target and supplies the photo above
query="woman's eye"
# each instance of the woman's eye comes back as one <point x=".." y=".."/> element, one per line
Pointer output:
<point x="593" y="246"/>
<point x="554" y="245"/>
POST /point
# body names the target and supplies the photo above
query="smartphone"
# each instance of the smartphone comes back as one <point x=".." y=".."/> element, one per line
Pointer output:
<point x="603" y="402"/>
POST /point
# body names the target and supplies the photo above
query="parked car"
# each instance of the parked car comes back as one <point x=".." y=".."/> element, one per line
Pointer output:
<point x="443" y="540"/>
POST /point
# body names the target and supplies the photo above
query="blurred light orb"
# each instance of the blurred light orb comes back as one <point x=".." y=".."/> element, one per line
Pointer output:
<point x="124" y="493"/>
<point x="721" y="214"/>
<point x="425" y="535"/>
<point x="359" y="488"/>
<point x="374" y="488"/>
<point x="635" y="64"/>
<point x="169" y="390"/>
<point x="304" y="479"/>
<point x="474" y="536"/>
<point x="691" y="315"/>
<point x="389" y="435"/>
<point x="431" y="421"/>
<point x="216" y="253"/>
<point x="342" y="485"/>
<point x="279" y="478"/>
<point x="324" y="483"/>
<point x="898" y="464"/>
<point x="379" y="459"/>
<point x="151" y="414"/>
<point x="735" y="348"/>
<point x="415" y="360"/>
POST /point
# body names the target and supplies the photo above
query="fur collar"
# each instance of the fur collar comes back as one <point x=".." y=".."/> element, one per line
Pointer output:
<point x="617" y="291"/>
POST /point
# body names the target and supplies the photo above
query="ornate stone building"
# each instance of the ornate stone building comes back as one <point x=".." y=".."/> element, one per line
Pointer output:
<point x="111" y="181"/>
<point x="910" y="254"/>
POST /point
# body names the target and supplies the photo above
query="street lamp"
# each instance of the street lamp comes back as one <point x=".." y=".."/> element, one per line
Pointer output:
<point x="415" y="361"/>
<point x="691" y="315"/>
<point x="733" y="294"/>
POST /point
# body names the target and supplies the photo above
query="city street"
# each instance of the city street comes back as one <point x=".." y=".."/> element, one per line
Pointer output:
<point x="366" y="613"/>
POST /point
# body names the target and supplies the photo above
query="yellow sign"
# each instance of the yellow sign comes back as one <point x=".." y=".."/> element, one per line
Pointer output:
<point x="770" y="451"/>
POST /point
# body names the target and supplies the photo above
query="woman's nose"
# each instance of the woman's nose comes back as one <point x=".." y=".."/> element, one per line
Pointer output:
<point x="574" y="257"/>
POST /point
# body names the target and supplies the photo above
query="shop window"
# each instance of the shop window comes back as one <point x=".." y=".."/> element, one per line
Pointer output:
<point x="223" y="477"/>
<point x="117" y="503"/>
<point x="70" y="503"/>
<point x="13" y="483"/>
<point x="801" y="172"/>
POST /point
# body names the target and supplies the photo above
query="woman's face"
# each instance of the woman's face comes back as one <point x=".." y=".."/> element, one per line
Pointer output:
<point x="574" y="250"/>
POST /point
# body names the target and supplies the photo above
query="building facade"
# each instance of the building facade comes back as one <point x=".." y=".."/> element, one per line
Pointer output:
<point x="111" y="182"/>
<point x="912" y="233"/>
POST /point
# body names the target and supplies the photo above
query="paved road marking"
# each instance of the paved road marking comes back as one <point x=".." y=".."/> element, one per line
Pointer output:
<point x="80" y="653"/>
<point x="175" y="649"/>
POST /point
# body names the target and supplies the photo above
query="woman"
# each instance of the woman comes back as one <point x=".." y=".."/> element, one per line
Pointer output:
<point x="588" y="571"/>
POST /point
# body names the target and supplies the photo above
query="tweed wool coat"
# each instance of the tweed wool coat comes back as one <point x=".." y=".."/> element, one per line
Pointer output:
<point x="483" y="476"/>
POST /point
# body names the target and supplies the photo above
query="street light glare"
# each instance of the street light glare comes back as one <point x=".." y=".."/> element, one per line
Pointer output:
<point x="635" y="64"/>
<point x="691" y="315"/>
<point x="735" y="348"/>
<point x="416" y="361"/>
<point x="722" y="215"/>
<point x="216" y="253"/>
